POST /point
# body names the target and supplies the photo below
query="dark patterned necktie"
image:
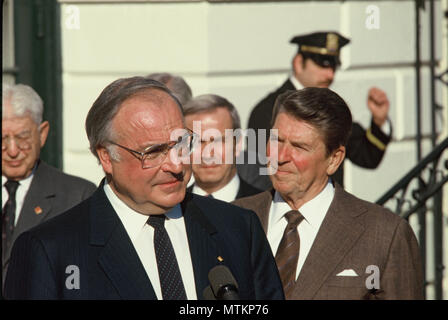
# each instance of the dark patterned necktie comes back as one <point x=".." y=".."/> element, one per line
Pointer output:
<point x="169" y="273"/>
<point x="9" y="216"/>
<point x="287" y="254"/>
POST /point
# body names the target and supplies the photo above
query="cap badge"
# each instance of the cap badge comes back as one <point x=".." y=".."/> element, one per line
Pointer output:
<point x="332" y="42"/>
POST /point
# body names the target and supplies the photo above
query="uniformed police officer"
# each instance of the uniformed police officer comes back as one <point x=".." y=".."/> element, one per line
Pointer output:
<point x="315" y="65"/>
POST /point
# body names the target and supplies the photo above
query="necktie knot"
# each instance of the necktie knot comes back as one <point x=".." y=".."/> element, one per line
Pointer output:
<point x="157" y="220"/>
<point x="11" y="186"/>
<point x="294" y="217"/>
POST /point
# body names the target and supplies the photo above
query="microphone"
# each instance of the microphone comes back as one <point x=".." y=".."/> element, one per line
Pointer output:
<point x="208" y="294"/>
<point x="222" y="283"/>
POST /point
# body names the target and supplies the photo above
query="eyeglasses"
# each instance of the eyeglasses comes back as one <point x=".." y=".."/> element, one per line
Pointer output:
<point x="154" y="155"/>
<point x="22" y="141"/>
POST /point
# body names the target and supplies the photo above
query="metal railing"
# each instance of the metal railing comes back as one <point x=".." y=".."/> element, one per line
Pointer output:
<point x="424" y="182"/>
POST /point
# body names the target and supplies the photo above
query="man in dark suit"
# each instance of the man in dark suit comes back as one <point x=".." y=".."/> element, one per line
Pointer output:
<point x="315" y="65"/>
<point x="32" y="191"/>
<point x="217" y="123"/>
<point x="139" y="236"/>
<point x="329" y="244"/>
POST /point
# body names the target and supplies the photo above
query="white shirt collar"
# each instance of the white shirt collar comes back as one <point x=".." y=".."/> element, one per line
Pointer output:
<point x="314" y="211"/>
<point x="22" y="190"/>
<point x="295" y="82"/>
<point x="227" y="193"/>
<point x="132" y="220"/>
<point x="25" y="183"/>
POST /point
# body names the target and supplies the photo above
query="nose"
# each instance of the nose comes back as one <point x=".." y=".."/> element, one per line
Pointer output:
<point x="173" y="163"/>
<point x="11" y="148"/>
<point x="329" y="73"/>
<point x="284" y="154"/>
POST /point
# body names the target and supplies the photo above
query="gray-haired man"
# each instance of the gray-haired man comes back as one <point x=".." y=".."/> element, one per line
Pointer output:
<point x="32" y="191"/>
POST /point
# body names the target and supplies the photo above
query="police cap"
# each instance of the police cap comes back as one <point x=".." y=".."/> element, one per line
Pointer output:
<point x="322" y="47"/>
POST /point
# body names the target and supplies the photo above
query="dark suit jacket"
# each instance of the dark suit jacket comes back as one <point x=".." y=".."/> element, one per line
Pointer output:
<point x="354" y="235"/>
<point x="245" y="189"/>
<point x="360" y="150"/>
<point x="92" y="237"/>
<point x="53" y="192"/>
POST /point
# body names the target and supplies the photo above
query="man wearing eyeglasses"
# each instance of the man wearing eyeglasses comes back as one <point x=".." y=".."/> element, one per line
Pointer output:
<point x="140" y="235"/>
<point x="32" y="191"/>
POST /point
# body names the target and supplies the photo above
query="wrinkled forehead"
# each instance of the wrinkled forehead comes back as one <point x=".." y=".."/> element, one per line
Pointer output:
<point x="152" y="116"/>
<point x="17" y="124"/>
<point x="292" y="125"/>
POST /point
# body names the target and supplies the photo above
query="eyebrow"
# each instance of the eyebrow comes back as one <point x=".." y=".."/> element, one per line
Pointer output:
<point x="294" y="143"/>
<point x="152" y="144"/>
<point x="301" y="144"/>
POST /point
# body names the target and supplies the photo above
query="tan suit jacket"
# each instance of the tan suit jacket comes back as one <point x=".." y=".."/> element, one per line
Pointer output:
<point x="354" y="235"/>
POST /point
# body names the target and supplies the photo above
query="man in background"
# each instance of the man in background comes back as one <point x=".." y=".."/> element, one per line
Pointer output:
<point x="216" y="174"/>
<point x="32" y="191"/>
<point x="329" y="244"/>
<point x="178" y="86"/>
<point x="315" y="65"/>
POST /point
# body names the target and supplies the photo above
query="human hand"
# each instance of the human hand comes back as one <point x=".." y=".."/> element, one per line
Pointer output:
<point x="378" y="104"/>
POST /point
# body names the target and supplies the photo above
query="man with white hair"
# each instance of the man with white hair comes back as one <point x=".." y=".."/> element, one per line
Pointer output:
<point x="32" y="191"/>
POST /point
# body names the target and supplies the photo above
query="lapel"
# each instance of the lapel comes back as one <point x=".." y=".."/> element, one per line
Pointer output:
<point x="41" y="194"/>
<point x="245" y="189"/>
<point x="337" y="235"/>
<point x="241" y="190"/>
<point x="263" y="206"/>
<point x="201" y="239"/>
<point x="118" y="258"/>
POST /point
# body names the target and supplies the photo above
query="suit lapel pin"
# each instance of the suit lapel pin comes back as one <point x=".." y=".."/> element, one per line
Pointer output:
<point x="38" y="210"/>
<point x="220" y="259"/>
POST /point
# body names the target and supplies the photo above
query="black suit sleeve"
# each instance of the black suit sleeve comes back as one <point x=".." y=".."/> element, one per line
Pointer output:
<point x="30" y="275"/>
<point x="366" y="148"/>
<point x="265" y="273"/>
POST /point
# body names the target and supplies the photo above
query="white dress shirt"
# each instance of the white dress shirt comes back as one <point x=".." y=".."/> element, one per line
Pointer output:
<point x="142" y="237"/>
<point x="227" y="193"/>
<point x="21" y="192"/>
<point x="314" y="212"/>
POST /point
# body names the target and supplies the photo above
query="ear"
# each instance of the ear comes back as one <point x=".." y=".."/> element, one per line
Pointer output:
<point x="335" y="160"/>
<point x="44" y="128"/>
<point x="105" y="159"/>
<point x="297" y="64"/>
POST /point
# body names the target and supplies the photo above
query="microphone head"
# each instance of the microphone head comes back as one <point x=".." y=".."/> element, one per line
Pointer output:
<point x="221" y="278"/>
<point x="208" y="294"/>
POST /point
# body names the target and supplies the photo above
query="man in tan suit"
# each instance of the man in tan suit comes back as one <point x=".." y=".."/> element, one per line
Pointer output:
<point x="328" y="244"/>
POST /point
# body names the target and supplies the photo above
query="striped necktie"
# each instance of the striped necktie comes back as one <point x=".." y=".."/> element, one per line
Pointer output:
<point x="287" y="254"/>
